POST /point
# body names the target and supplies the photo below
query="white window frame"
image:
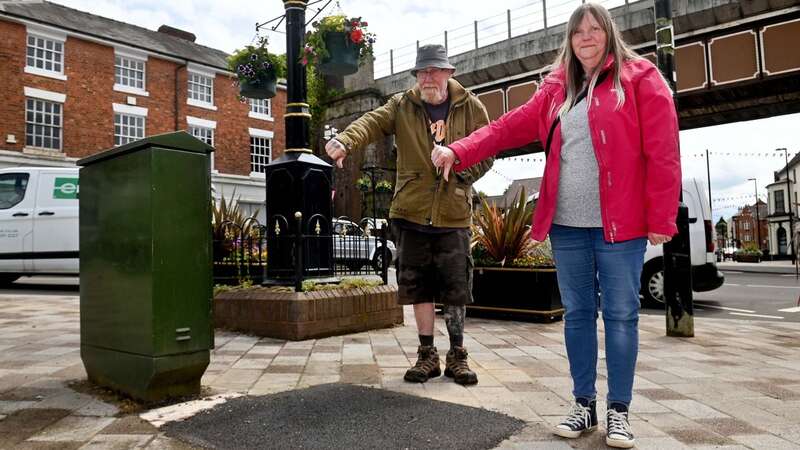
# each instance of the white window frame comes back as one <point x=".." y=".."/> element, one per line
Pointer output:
<point x="135" y="57"/>
<point x="193" y="69"/>
<point x="48" y="35"/>
<point x="265" y="134"/>
<point x="51" y="97"/>
<point x="196" y="122"/>
<point x="130" y="111"/>
<point x="259" y="115"/>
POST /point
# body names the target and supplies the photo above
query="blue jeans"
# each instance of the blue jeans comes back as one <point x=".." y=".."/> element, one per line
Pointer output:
<point x="586" y="266"/>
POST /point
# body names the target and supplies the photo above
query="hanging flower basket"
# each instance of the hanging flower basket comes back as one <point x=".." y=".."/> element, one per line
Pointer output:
<point x="259" y="89"/>
<point x="257" y="70"/>
<point x="342" y="57"/>
<point x="384" y="187"/>
<point x="338" y="45"/>
<point x="364" y="184"/>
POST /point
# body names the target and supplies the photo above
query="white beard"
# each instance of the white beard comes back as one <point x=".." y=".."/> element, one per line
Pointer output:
<point x="433" y="97"/>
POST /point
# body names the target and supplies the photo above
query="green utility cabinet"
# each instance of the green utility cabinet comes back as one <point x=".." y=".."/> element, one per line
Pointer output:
<point x="145" y="260"/>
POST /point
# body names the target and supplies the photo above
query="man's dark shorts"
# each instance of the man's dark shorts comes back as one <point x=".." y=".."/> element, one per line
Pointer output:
<point x="433" y="267"/>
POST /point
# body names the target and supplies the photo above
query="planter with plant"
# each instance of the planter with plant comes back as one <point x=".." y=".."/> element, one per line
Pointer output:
<point x="338" y="45"/>
<point x="364" y="184"/>
<point x="513" y="275"/>
<point x="257" y="70"/>
<point x="384" y="187"/>
<point x="748" y="253"/>
<point x="238" y="251"/>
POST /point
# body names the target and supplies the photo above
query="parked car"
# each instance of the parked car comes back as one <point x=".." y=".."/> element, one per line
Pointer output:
<point x="355" y="248"/>
<point x="705" y="276"/>
<point x="373" y="224"/>
<point x="38" y="222"/>
<point x="727" y="253"/>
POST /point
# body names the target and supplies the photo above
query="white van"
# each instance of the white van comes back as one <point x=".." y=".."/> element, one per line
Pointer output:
<point x="38" y="222"/>
<point x="705" y="276"/>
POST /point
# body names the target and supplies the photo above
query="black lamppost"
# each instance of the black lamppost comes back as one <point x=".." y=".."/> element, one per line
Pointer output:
<point x="677" y="252"/>
<point x="298" y="183"/>
<point x="790" y="203"/>
<point x="758" y="217"/>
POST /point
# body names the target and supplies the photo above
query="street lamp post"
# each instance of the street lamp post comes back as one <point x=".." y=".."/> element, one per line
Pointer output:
<point x="677" y="252"/>
<point x="298" y="184"/>
<point x="790" y="234"/>
<point x="758" y="218"/>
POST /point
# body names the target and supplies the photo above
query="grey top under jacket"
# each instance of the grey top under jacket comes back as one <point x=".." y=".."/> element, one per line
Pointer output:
<point x="578" y="203"/>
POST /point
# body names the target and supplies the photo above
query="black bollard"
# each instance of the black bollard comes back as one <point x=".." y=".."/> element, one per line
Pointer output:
<point x="677" y="252"/>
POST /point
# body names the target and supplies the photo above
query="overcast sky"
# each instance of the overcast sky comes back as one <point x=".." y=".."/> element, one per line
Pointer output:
<point x="741" y="150"/>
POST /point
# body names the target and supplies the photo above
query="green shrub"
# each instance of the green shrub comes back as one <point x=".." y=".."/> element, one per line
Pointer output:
<point x="750" y="250"/>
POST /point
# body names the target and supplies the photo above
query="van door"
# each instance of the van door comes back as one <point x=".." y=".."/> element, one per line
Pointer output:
<point x="55" y="223"/>
<point x="697" y="231"/>
<point x="17" y="200"/>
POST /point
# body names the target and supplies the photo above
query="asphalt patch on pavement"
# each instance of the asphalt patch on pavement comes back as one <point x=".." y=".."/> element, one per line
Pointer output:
<point x="343" y="416"/>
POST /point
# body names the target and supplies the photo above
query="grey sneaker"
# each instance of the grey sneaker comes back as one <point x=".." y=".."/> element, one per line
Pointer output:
<point x="580" y="419"/>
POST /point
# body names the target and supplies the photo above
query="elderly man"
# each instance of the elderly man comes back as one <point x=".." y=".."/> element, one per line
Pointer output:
<point x="430" y="215"/>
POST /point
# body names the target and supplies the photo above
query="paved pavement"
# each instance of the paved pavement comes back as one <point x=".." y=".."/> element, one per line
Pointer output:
<point x="734" y="386"/>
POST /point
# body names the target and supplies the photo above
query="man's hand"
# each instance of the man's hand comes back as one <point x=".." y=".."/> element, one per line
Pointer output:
<point x="657" y="239"/>
<point x="443" y="157"/>
<point x="336" y="151"/>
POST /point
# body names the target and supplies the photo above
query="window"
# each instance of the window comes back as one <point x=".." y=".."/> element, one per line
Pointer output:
<point x="204" y="130"/>
<point x="261" y="109"/>
<point x="43" y="124"/>
<point x="204" y="134"/>
<point x="779" y="206"/>
<point x="746" y="225"/>
<point x="260" y="153"/>
<point x="201" y="88"/>
<point x="129" y="72"/>
<point x="127" y="128"/>
<point x="12" y="189"/>
<point x="45" y="54"/>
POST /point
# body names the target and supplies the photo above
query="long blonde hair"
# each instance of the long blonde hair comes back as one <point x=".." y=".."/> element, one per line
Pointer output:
<point x="573" y="69"/>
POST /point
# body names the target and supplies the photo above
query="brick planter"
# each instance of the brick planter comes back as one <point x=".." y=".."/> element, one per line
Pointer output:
<point x="747" y="258"/>
<point x="307" y="315"/>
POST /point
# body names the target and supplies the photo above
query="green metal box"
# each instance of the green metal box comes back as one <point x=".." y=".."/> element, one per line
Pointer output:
<point x="145" y="266"/>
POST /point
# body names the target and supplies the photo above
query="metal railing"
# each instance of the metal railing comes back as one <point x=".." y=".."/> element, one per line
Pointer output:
<point x="534" y="16"/>
<point x="240" y="255"/>
<point x="340" y="248"/>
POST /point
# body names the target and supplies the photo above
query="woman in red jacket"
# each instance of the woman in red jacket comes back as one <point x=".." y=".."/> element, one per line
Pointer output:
<point x="611" y="183"/>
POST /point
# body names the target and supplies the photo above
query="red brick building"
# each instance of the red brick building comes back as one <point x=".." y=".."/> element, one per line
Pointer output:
<point x="74" y="84"/>
<point x="743" y="226"/>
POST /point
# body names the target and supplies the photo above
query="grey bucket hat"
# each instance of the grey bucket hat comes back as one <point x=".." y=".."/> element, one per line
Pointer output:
<point x="433" y="55"/>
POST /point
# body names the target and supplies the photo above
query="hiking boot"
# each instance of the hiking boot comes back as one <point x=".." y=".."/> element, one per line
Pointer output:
<point x="455" y="366"/>
<point x="427" y="365"/>
<point x="618" y="429"/>
<point x="582" y="417"/>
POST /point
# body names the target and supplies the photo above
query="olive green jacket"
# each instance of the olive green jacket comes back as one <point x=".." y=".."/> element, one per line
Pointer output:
<point x="421" y="196"/>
